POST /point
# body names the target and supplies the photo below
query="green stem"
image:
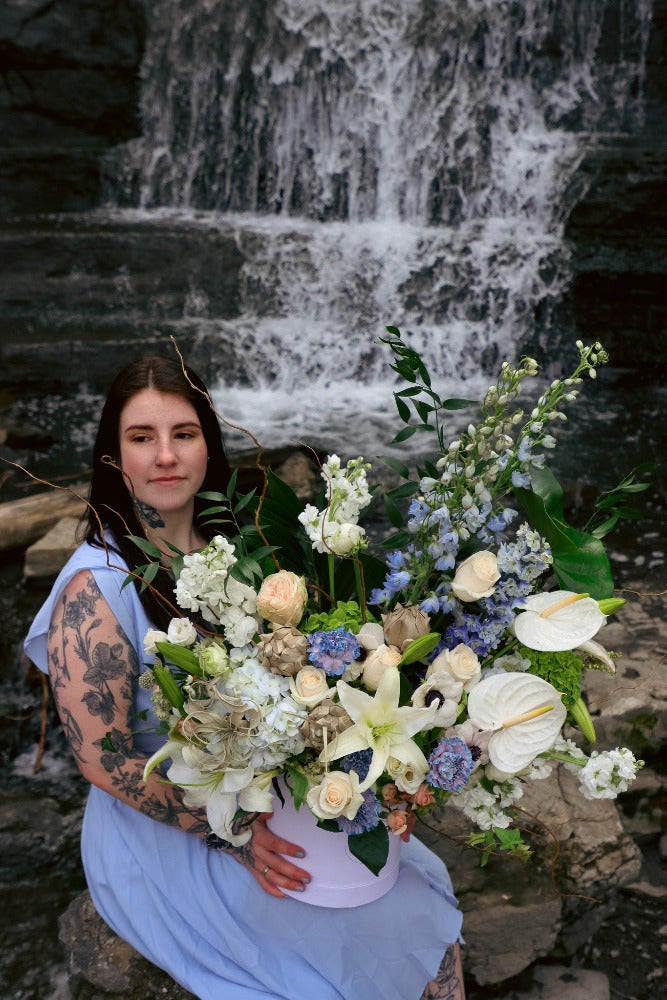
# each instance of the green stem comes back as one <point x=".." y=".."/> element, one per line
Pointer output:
<point x="565" y="758"/>
<point x="332" y="586"/>
<point x="361" y="588"/>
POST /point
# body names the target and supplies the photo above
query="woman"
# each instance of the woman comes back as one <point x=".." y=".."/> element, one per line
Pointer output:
<point x="186" y="900"/>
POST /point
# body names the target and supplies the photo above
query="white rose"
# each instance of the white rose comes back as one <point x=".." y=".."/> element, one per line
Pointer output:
<point x="213" y="659"/>
<point x="461" y="662"/>
<point x="309" y="687"/>
<point x="152" y="636"/>
<point x="406" y="778"/>
<point x="370" y="635"/>
<point x="377" y="662"/>
<point x="336" y="795"/>
<point x="181" y="632"/>
<point x="476" y="576"/>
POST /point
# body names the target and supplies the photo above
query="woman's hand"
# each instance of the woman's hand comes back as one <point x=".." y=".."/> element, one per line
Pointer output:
<point x="267" y="864"/>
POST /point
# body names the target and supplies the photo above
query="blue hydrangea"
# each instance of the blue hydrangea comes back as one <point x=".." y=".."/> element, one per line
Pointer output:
<point x="450" y="765"/>
<point x="333" y="651"/>
<point x="367" y="817"/>
<point x="359" y="762"/>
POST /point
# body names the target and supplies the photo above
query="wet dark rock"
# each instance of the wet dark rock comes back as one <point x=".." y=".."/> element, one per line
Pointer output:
<point x="69" y="89"/>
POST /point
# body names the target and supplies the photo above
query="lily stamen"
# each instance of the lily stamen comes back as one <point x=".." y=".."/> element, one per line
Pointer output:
<point x="563" y="603"/>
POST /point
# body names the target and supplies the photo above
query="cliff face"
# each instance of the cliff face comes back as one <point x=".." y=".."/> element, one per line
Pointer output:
<point x="68" y="90"/>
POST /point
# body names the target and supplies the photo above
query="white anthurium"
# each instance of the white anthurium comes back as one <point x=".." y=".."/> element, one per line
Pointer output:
<point x="216" y="792"/>
<point x="380" y="725"/>
<point x="557" y="621"/>
<point x="598" y="652"/>
<point x="524" y="715"/>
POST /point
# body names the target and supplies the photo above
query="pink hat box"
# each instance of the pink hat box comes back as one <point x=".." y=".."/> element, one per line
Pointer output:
<point x="338" y="879"/>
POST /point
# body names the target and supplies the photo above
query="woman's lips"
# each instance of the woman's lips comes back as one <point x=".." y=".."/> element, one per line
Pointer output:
<point x="168" y="480"/>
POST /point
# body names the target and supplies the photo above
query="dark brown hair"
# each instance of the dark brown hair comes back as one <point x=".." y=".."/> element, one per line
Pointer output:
<point x="110" y="498"/>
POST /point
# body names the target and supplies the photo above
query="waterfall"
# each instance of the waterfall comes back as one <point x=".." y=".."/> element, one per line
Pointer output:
<point x="379" y="162"/>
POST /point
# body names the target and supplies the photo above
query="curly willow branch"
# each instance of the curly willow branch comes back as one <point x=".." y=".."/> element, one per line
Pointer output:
<point x="237" y="427"/>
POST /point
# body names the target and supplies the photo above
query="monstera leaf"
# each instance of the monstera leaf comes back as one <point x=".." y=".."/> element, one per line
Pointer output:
<point x="580" y="560"/>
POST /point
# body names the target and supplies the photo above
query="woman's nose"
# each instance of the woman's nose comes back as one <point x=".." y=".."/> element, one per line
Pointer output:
<point x="166" y="454"/>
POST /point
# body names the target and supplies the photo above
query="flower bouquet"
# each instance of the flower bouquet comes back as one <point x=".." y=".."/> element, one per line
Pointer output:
<point x="376" y="689"/>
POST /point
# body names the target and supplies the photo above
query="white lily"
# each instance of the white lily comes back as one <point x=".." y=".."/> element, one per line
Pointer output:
<point x="218" y="793"/>
<point x="557" y="621"/>
<point x="523" y="713"/>
<point x="381" y="726"/>
<point x="171" y="748"/>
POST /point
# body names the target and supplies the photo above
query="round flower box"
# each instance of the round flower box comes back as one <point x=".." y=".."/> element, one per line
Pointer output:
<point x="338" y="879"/>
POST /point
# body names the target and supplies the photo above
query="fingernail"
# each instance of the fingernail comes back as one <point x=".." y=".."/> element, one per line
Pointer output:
<point x="299" y="854"/>
<point x="305" y="879"/>
<point x="300" y="888"/>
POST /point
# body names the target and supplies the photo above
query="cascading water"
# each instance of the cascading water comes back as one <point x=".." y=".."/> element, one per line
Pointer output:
<point x="379" y="163"/>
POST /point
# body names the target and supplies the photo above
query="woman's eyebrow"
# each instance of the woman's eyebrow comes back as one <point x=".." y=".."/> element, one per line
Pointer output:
<point x="149" y="427"/>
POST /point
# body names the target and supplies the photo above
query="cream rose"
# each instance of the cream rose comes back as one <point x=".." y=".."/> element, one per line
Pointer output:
<point x="376" y="663"/>
<point x="461" y="662"/>
<point x="282" y="598"/>
<point x="476" y="576"/>
<point x="309" y="687"/>
<point x="336" y="795"/>
<point x="181" y="632"/>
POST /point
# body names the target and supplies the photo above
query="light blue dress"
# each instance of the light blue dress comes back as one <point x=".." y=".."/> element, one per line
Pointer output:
<point x="203" y="918"/>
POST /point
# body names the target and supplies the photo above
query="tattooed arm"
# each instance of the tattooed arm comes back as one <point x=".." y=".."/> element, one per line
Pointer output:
<point x="93" y="668"/>
<point x="448" y="984"/>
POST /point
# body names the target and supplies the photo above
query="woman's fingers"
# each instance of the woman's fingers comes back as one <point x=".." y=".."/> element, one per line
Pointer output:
<point x="272" y="868"/>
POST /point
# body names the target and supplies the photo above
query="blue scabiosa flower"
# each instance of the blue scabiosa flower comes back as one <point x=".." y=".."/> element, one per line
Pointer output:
<point x="450" y="765"/>
<point x="359" y="762"/>
<point x="367" y="817"/>
<point x="333" y="651"/>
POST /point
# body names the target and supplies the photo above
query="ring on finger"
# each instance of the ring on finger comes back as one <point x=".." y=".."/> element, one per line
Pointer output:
<point x="265" y="870"/>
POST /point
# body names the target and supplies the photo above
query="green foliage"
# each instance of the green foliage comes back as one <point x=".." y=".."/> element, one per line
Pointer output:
<point x="371" y="847"/>
<point x="563" y="670"/>
<point x="419" y="396"/>
<point x="613" y="505"/>
<point x="580" y="561"/>
<point x="499" y="841"/>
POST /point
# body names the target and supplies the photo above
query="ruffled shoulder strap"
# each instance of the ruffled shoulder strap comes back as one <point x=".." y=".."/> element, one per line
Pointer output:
<point x="109" y="577"/>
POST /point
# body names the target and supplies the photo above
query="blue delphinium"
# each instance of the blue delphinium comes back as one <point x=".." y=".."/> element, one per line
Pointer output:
<point x="367" y="817"/>
<point x="333" y="651"/>
<point x="359" y="762"/>
<point x="450" y="765"/>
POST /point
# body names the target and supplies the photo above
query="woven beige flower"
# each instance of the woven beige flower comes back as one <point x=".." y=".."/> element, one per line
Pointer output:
<point x="283" y="651"/>
<point x="403" y="625"/>
<point x="327" y="716"/>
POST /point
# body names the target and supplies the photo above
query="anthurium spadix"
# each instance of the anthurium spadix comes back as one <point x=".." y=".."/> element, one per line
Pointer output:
<point x="523" y="713"/>
<point x="557" y="621"/>
<point x="381" y="726"/>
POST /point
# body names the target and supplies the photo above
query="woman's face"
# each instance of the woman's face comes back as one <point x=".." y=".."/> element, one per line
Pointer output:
<point x="162" y="450"/>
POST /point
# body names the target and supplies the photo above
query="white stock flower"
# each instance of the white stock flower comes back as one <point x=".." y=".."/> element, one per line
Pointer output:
<point x="607" y="774"/>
